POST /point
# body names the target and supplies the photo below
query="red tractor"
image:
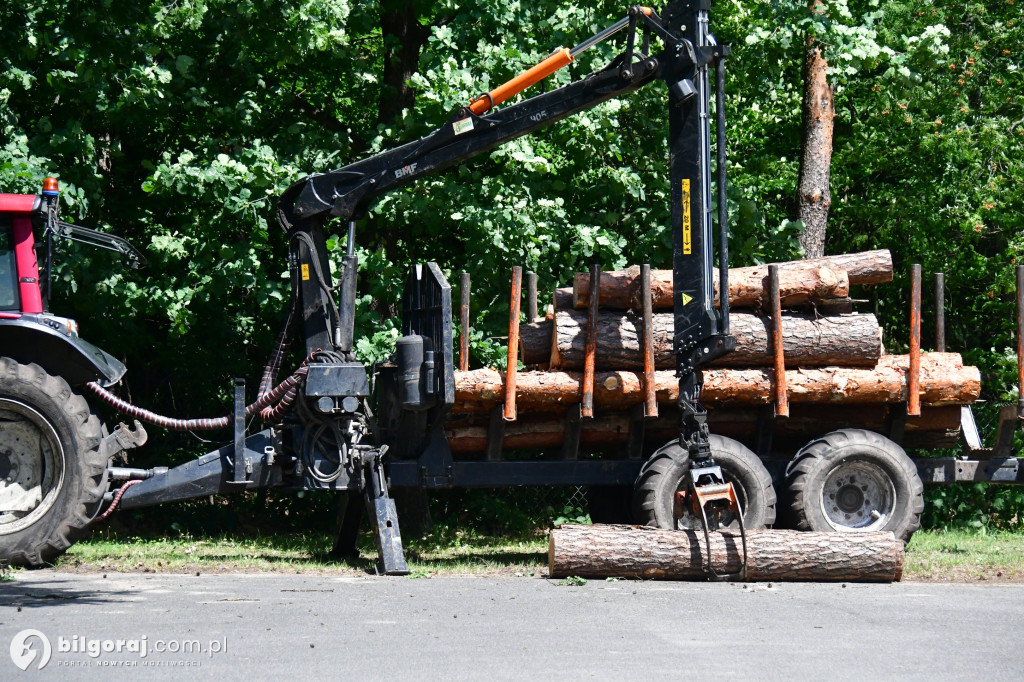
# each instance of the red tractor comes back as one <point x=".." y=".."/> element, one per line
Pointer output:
<point x="54" y="451"/>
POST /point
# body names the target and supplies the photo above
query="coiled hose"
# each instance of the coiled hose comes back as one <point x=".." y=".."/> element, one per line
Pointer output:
<point x="271" y="405"/>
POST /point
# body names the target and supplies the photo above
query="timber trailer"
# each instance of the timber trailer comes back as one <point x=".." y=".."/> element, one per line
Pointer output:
<point x="336" y="425"/>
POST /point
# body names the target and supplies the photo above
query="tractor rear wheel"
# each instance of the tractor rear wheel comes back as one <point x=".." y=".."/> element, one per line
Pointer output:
<point x="855" y="480"/>
<point x="52" y="475"/>
<point x="665" y="473"/>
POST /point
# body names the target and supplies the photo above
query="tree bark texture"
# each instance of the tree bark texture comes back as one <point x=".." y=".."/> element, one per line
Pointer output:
<point x="815" y="197"/>
<point x="612" y="551"/>
<point x="808" y="341"/>
<point x="944" y="381"/>
<point x="535" y="342"/>
<point x="800" y="282"/>
<point x="609" y="431"/>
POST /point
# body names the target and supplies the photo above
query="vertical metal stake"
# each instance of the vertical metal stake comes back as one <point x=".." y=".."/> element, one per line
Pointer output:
<point x="590" y="350"/>
<point x="464" y="322"/>
<point x="238" y="474"/>
<point x="650" y="394"/>
<point x="513" y="343"/>
<point x="531" y="297"/>
<point x="781" y="392"/>
<point x="914" y="374"/>
<point x="940" y="312"/>
<point x="1020" y="341"/>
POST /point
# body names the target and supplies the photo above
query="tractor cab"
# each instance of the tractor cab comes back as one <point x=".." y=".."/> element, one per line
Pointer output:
<point x="29" y="333"/>
<point x="9" y="299"/>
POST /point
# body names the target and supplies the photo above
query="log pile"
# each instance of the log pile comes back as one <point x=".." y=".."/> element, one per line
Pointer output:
<point x="833" y="367"/>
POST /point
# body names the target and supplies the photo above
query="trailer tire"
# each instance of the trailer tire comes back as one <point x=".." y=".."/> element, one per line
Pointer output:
<point x="52" y="475"/>
<point x="855" y="480"/>
<point x="665" y="473"/>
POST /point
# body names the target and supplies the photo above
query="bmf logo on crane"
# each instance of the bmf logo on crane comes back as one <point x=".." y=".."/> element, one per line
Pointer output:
<point x="406" y="170"/>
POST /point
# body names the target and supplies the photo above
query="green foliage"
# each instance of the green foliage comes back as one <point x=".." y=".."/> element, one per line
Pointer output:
<point x="572" y="581"/>
<point x="571" y="514"/>
<point x="982" y="506"/>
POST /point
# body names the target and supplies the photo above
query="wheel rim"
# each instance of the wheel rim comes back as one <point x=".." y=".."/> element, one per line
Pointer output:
<point x="858" y="495"/>
<point x="31" y="466"/>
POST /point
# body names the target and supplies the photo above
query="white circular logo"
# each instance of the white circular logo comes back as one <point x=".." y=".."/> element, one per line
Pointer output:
<point x="23" y="652"/>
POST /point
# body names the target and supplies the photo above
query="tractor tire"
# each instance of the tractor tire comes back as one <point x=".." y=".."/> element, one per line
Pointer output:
<point x="855" y="480"/>
<point x="52" y="475"/>
<point x="665" y="472"/>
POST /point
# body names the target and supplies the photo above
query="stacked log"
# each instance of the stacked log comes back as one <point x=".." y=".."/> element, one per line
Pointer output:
<point x="833" y="360"/>
<point x="816" y="279"/>
<point x="809" y="340"/>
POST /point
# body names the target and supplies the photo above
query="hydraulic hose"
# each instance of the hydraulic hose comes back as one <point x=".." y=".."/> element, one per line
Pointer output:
<point x="270" y="405"/>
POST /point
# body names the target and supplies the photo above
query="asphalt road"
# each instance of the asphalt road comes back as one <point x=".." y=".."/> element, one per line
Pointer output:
<point x="286" y="626"/>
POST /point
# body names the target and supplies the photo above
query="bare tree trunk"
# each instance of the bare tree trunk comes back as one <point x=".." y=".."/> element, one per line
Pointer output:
<point x="816" y="159"/>
<point x="404" y="36"/>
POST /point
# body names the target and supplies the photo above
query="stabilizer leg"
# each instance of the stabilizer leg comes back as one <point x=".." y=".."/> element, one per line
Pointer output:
<point x="381" y="510"/>
<point x="350" y="519"/>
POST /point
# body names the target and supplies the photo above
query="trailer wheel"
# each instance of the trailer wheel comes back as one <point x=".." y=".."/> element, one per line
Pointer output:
<point x="855" y="480"/>
<point x="664" y="474"/>
<point x="52" y="476"/>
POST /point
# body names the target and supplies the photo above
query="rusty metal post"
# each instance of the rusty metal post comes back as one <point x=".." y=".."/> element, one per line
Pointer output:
<point x="914" y="374"/>
<point x="590" y="350"/>
<point x="778" y="346"/>
<point x="464" y="322"/>
<point x="513" y="343"/>
<point x="650" y="396"/>
<point x="940" y="312"/>
<point x="531" y="297"/>
<point x="1020" y="341"/>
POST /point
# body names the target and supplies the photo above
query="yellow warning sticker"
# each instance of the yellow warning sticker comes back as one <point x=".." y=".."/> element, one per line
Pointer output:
<point x="305" y="272"/>
<point x="687" y="235"/>
<point x="686" y="298"/>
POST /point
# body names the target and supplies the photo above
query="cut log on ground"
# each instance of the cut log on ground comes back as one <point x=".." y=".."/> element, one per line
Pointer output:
<point x="609" y="431"/>
<point x="944" y="381"/>
<point x="609" y="551"/>
<point x="800" y="281"/>
<point x="809" y="341"/>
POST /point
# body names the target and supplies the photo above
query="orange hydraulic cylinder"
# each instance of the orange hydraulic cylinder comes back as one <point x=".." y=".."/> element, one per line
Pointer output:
<point x="557" y="60"/>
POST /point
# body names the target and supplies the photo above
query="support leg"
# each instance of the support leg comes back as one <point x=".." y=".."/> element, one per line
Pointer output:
<point x="381" y="510"/>
<point x="350" y="518"/>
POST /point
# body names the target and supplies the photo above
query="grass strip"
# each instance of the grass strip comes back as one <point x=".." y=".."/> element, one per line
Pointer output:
<point x="933" y="556"/>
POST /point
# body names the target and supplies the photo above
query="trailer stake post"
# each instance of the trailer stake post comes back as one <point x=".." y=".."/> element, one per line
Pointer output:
<point x="238" y="471"/>
<point x="590" y="350"/>
<point x="914" y="373"/>
<point x="531" y="297"/>
<point x="940" y="312"/>
<point x="464" y="322"/>
<point x="650" y="395"/>
<point x="1020" y="341"/>
<point x="513" y="343"/>
<point x="779" y="351"/>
